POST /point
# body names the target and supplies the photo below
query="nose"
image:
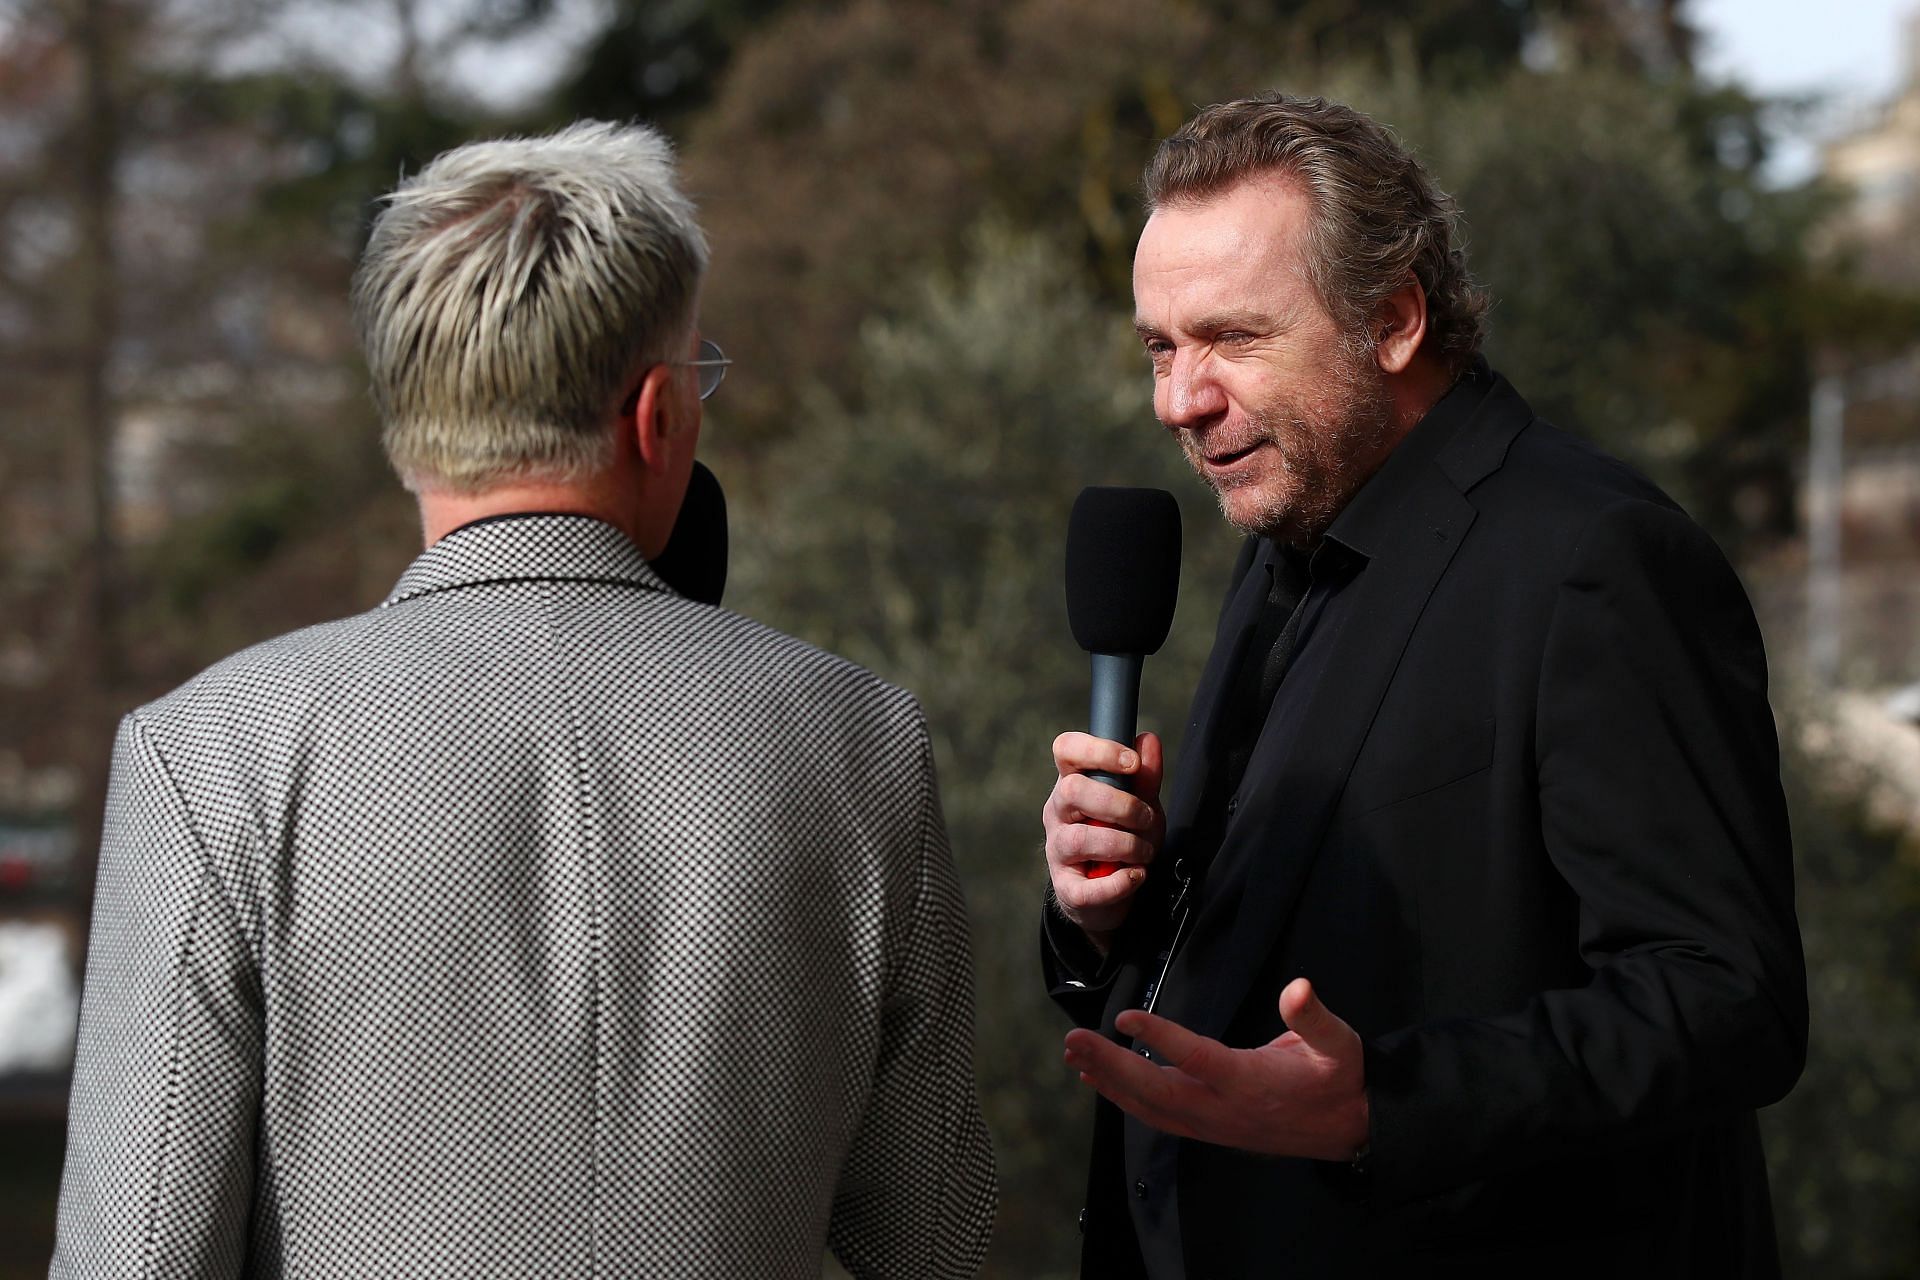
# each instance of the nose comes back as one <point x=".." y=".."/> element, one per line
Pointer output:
<point x="1191" y="396"/>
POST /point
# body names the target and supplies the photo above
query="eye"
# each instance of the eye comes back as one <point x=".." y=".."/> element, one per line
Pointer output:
<point x="1233" y="338"/>
<point x="1159" y="350"/>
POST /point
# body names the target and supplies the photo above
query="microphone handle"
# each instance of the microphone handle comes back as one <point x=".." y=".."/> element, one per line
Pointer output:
<point x="1115" y="709"/>
<point x="1114" y="715"/>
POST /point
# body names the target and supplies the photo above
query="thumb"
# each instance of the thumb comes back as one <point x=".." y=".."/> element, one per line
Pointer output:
<point x="1313" y="1022"/>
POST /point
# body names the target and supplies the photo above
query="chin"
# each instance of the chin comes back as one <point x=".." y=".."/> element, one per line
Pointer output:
<point x="1252" y="506"/>
<point x="1286" y="519"/>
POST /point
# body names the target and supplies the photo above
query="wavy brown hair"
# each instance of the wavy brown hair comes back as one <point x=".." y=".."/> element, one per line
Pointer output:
<point x="1378" y="214"/>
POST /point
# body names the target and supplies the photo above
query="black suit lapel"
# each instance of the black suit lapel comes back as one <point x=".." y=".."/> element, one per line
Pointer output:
<point x="1237" y="621"/>
<point x="1293" y="785"/>
<point x="1245" y="593"/>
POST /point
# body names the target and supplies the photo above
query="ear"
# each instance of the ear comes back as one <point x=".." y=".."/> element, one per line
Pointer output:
<point x="654" y="417"/>
<point x="1400" y="326"/>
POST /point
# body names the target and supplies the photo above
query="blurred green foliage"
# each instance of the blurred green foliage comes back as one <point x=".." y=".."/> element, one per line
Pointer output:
<point x="1841" y="1148"/>
<point x="918" y="531"/>
<point x="1647" y="291"/>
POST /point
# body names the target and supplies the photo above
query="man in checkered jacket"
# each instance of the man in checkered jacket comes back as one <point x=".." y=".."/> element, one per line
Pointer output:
<point x="540" y="921"/>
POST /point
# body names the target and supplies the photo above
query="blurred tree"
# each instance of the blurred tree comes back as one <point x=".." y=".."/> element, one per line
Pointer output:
<point x="1840" y="1147"/>
<point x="659" y="62"/>
<point x="1457" y="41"/>
<point x="997" y="392"/>
<point x="1650" y="290"/>
<point x="850" y="146"/>
<point x="186" y="186"/>
<point x="60" y="316"/>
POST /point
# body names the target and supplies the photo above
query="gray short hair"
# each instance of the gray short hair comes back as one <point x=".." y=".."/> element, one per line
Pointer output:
<point x="509" y="291"/>
<point x="1378" y="215"/>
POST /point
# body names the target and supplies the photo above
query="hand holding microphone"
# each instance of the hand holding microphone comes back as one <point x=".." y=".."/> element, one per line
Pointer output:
<point x="1101" y="839"/>
<point x="1123" y="577"/>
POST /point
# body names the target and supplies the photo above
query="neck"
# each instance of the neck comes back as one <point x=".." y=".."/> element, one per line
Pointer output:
<point x="1415" y="391"/>
<point x="442" y="511"/>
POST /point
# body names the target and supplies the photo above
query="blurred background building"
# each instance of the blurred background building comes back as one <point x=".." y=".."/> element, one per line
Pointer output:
<point x="1877" y="164"/>
<point x="923" y="215"/>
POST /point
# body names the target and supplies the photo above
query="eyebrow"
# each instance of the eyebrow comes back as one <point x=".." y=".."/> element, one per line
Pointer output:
<point x="1217" y="322"/>
<point x="1221" y="321"/>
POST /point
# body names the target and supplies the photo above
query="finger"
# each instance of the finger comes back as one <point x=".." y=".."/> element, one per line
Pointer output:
<point x="1083" y="799"/>
<point x="1151" y="1109"/>
<point x="1078" y="842"/>
<point x="1094" y="865"/>
<point x="1312" y="1021"/>
<point x="1077" y="892"/>
<point x="1163" y="1097"/>
<point x="1116" y="1070"/>
<point x="1084" y="753"/>
<point x="1174" y="1045"/>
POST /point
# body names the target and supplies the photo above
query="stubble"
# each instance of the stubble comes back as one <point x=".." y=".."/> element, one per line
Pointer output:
<point x="1325" y="448"/>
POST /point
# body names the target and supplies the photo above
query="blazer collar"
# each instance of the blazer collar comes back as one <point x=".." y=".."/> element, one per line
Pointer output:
<point x="1375" y="514"/>
<point x="538" y="547"/>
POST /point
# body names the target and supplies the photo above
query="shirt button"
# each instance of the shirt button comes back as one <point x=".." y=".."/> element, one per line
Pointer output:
<point x="1233" y="803"/>
<point x="1140" y="1189"/>
<point x="1083" y="1222"/>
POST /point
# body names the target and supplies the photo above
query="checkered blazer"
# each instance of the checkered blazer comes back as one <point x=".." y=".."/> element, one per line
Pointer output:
<point x="539" y="922"/>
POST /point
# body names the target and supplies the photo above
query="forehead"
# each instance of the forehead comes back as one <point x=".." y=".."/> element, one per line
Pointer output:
<point x="1245" y="242"/>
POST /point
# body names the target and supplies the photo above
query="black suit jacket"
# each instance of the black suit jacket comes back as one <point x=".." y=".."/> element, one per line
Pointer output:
<point x="1526" y="835"/>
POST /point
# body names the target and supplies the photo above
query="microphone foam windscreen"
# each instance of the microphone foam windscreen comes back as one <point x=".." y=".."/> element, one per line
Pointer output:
<point x="694" y="561"/>
<point x="1123" y="569"/>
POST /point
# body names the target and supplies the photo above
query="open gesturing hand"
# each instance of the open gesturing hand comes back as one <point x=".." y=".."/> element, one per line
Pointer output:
<point x="1303" y="1094"/>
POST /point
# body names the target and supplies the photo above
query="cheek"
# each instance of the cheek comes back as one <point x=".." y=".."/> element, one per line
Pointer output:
<point x="1251" y="380"/>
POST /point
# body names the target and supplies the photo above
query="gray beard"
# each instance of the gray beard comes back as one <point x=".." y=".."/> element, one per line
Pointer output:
<point x="1329" y="461"/>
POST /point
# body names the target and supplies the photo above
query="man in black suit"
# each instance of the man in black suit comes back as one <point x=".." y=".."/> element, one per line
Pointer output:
<point x="1467" y="943"/>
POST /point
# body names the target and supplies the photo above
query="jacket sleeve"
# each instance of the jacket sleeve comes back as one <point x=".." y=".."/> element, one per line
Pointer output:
<point x="167" y="1075"/>
<point x="1660" y="805"/>
<point x="1079" y="979"/>
<point x="917" y="1191"/>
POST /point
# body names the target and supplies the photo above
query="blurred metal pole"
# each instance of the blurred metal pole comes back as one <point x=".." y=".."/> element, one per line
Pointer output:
<point x="1825" y="592"/>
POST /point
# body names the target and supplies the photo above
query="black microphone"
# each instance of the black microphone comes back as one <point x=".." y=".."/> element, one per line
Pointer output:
<point x="694" y="561"/>
<point x="1123" y="577"/>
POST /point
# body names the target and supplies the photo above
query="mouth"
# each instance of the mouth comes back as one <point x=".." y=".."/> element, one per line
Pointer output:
<point x="1226" y="458"/>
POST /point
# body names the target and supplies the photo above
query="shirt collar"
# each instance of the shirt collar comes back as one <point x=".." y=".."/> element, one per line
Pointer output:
<point x="1331" y="561"/>
<point x="1370" y="516"/>
<point x="531" y="547"/>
